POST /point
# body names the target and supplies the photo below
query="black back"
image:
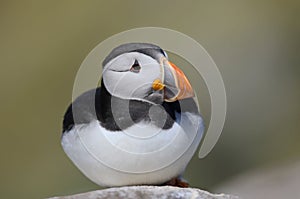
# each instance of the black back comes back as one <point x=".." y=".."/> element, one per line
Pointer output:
<point x="96" y="105"/>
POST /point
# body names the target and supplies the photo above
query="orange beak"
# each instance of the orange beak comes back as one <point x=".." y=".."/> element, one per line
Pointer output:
<point x="183" y="85"/>
<point x="175" y="84"/>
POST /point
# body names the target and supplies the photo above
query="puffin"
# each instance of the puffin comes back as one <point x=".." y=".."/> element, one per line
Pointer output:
<point x="141" y="126"/>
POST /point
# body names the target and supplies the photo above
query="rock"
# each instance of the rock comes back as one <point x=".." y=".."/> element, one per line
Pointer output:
<point x="148" y="192"/>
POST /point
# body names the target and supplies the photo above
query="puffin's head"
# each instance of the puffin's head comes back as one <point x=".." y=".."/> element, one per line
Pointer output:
<point x="142" y="72"/>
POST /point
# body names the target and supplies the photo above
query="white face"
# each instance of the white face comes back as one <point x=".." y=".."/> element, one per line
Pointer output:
<point x="130" y="76"/>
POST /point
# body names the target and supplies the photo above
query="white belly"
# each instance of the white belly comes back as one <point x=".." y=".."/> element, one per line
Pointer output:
<point x="143" y="154"/>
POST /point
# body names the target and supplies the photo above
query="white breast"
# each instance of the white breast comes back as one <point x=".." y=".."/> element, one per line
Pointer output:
<point x="142" y="154"/>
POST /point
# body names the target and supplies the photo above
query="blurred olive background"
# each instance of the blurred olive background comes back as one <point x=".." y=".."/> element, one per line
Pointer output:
<point x="42" y="44"/>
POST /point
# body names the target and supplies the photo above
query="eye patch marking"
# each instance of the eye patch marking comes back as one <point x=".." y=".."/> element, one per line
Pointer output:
<point x="120" y="71"/>
<point x="135" y="67"/>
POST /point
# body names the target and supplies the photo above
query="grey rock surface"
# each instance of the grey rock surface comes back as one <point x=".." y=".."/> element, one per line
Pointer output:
<point x="148" y="192"/>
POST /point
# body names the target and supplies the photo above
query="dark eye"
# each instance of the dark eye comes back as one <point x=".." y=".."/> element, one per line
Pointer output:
<point x="135" y="67"/>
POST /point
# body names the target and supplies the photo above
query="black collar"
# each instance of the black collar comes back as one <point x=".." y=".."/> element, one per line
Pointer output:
<point x="118" y="117"/>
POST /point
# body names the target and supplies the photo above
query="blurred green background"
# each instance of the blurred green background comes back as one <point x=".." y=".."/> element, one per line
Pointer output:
<point x="255" y="44"/>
